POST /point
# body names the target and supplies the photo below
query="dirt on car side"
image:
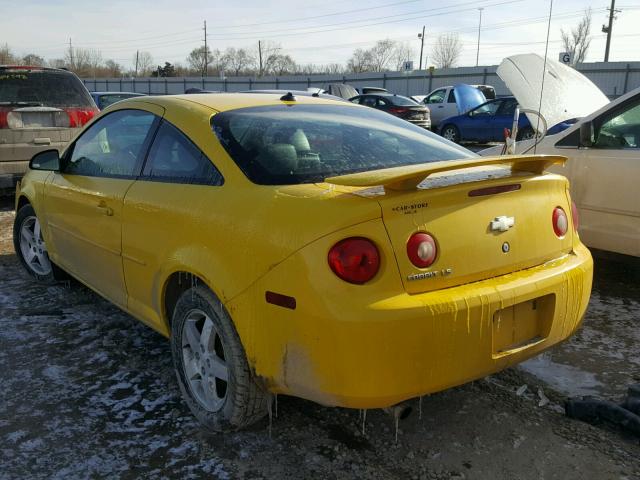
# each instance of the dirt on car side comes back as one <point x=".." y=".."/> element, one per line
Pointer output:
<point x="89" y="391"/>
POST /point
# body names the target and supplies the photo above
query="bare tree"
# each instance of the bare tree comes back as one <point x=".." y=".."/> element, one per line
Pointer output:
<point x="446" y="50"/>
<point x="382" y="54"/>
<point x="577" y="42"/>
<point x="270" y="51"/>
<point x="83" y="61"/>
<point x="33" y="59"/>
<point x="199" y="58"/>
<point x="112" y="68"/>
<point x="6" y="56"/>
<point x="237" y="60"/>
<point x="360" y="61"/>
<point x="145" y="63"/>
<point x="402" y="53"/>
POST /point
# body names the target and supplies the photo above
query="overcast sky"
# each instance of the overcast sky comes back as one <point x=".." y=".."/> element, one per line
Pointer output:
<point x="309" y="30"/>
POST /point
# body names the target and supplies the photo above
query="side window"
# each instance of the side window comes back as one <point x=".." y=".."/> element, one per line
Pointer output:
<point x="620" y="131"/>
<point x="382" y="102"/>
<point x="437" y="96"/>
<point x="368" y="101"/>
<point x="174" y="158"/>
<point x="356" y="100"/>
<point x="111" y="147"/>
<point x="508" y="107"/>
<point x="452" y="97"/>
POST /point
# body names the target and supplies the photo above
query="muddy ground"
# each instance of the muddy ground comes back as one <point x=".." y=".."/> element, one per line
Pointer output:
<point x="89" y="392"/>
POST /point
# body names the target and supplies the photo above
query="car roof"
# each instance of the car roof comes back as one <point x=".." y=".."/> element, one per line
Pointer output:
<point x="33" y="67"/>
<point x="229" y="101"/>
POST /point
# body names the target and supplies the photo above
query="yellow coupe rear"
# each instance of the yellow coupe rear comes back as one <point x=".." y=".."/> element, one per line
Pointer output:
<point x="330" y="252"/>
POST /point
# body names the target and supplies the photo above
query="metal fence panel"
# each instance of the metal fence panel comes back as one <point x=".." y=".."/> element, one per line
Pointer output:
<point x="613" y="78"/>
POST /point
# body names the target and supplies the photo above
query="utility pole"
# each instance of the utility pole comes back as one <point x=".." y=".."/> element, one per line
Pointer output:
<point x="479" y="27"/>
<point x="206" y="52"/>
<point x="608" y="30"/>
<point x="137" y="53"/>
<point x="72" y="67"/>
<point x="260" y="57"/>
<point x="421" y="37"/>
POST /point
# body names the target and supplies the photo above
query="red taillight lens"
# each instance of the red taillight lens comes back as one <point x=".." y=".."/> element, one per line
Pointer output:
<point x="80" y="116"/>
<point x="397" y="110"/>
<point x="575" y="216"/>
<point x="560" y="222"/>
<point x="421" y="249"/>
<point x="4" y="114"/>
<point x="354" y="260"/>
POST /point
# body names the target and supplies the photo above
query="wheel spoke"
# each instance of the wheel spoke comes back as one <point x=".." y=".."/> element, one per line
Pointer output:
<point x="193" y="336"/>
<point x="206" y="335"/>
<point x="36" y="230"/>
<point x="26" y="237"/>
<point x="31" y="255"/>
<point x="217" y="367"/>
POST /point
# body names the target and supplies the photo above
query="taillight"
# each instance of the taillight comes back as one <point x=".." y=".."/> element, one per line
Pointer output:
<point x="575" y="216"/>
<point x="4" y="117"/>
<point x="354" y="260"/>
<point x="560" y="222"/>
<point x="421" y="249"/>
<point x="396" y="110"/>
<point x="80" y="116"/>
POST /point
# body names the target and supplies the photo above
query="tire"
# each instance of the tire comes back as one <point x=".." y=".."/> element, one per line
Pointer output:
<point x="451" y="133"/>
<point x="219" y="405"/>
<point x="525" y="134"/>
<point x="31" y="249"/>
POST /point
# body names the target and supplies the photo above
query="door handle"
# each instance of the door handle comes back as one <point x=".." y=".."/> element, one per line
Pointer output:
<point x="440" y="106"/>
<point x="108" y="211"/>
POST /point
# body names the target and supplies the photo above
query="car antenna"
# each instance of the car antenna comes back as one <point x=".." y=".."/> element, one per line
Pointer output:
<point x="288" y="97"/>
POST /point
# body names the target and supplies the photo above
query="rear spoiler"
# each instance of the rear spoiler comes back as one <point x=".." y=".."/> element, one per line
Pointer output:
<point x="409" y="177"/>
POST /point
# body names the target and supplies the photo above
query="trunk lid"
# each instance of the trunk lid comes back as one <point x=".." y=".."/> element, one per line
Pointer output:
<point x="457" y="203"/>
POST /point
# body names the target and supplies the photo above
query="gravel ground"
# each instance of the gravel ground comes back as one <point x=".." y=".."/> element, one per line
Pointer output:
<point x="89" y="392"/>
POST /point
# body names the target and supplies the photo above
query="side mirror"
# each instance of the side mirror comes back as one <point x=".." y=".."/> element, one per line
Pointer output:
<point x="48" y="160"/>
<point x="586" y="134"/>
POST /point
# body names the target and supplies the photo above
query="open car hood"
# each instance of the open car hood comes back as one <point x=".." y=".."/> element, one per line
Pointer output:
<point x="467" y="97"/>
<point x="567" y="93"/>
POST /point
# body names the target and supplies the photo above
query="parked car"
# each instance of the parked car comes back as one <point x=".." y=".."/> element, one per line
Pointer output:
<point x="302" y="247"/>
<point x="603" y="148"/>
<point x="40" y="108"/>
<point x="342" y="90"/>
<point x="443" y="104"/>
<point x="398" y="106"/>
<point x="104" y="99"/>
<point x="486" y="123"/>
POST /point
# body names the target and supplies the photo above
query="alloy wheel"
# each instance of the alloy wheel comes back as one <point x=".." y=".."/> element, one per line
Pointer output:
<point x="33" y="248"/>
<point x="204" y="362"/>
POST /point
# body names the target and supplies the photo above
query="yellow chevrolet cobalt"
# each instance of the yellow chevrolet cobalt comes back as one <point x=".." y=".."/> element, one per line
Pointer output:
<point x="307" y="247"/>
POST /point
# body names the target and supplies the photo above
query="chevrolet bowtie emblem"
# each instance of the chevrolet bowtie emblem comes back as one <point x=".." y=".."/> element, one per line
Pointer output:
<point x="502" y="223"/>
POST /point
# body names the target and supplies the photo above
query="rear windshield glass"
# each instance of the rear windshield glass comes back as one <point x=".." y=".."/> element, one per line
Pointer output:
<point x="401" y="101"/>
<point x="43" y="88"/>
<point x="291" y="144"/>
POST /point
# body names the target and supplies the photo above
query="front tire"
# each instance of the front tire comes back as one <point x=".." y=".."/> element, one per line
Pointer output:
<point x="211" y="365"/>
<point x="31" y="248"/>
<point x="451" y="133"/>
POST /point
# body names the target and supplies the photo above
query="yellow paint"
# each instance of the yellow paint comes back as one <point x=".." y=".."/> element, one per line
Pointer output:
<point x="360" y="346"/>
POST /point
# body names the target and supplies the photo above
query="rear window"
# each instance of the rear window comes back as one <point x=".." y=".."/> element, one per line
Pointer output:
<point x="400" y="101"/>
<point x="42" y="87"/>
<point x="291" y="144"/>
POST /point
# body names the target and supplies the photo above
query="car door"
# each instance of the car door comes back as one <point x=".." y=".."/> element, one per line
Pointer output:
<point x="436" y="104"/>
<point x="604" y="181"/>
<point x="481" y="121"/>
<point x="503" y="118"/>
<point x="176" y="178"/>
<point x="84" y="200"/>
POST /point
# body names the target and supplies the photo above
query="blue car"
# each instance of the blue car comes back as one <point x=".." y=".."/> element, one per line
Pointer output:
<point x="486" y="123"/>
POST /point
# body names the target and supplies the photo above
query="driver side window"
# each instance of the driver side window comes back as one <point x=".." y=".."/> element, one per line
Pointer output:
<point x="620" y="131"/>
<point x="112" y="146"/>
<point x="436" y="97"/>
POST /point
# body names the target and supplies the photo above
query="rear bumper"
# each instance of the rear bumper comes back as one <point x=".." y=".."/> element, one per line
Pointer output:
<point x="355" y="352"/>
<point x="14" y="160"/>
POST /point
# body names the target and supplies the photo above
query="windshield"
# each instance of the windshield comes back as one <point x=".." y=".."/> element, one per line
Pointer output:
<point x="488" y="108"/>
<point x="291" y="144"/>
<point x="45" y="88"/>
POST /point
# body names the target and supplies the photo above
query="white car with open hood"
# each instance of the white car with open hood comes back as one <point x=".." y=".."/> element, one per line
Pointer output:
<point x="603" y="147"/>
